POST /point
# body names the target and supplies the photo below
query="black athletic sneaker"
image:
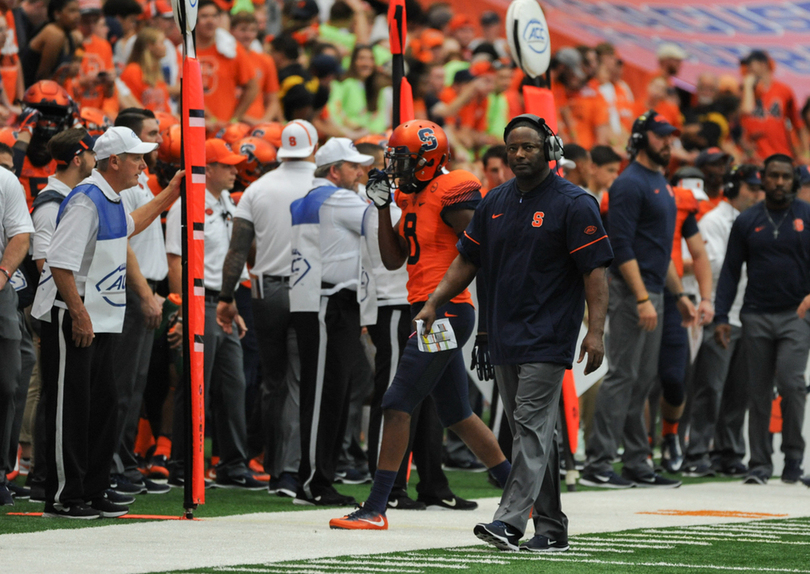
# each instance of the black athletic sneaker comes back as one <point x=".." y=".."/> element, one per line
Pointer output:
<point x="734" y="468"/>
<point x="153" y="487"/>
<point x="698" y="468"/>
<point x="806" y="480"/>
<point x="352" y="476"/>
<point x="653" y="480"/>
<point x="75" y="511"/>
<point x="287" y="485"/>
<point x="606" y="480"/>
<point x="241" y="481"/>
<point x="18" y="492"/>
<point x="540" y="543"/>
<point x="179" y="481"/>
<point x="37" y="494"/>
<point x="499" y="534"/>
<point x="122" y="485"/>
<point x="108" y="509"/>
<point x="5" y="496"/>
<point x="452" y="502"/>
<point x="328" y="498"/>
<point x="756" y="476"/>
<point x="404" y="502"/>
<point x="793" y="471"/>
<point x="116" y="498"/>
<point x="671" y="454"/>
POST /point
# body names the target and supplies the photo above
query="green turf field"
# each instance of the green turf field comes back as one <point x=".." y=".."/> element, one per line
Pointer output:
<point x="760" y="546"/>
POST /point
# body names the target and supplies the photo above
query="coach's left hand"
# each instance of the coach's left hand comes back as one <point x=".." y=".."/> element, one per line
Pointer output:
<point x="594" y="346"/>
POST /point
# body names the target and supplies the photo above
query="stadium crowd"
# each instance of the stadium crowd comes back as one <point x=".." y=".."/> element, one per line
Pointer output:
<point x="298" y="97"/>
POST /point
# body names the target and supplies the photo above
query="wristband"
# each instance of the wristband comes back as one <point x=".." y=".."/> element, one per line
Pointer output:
<point x="6" y="273"/>
<point x="640" y="301"/>
<point x="680" y="295"/>
<point x="225" y="299"/>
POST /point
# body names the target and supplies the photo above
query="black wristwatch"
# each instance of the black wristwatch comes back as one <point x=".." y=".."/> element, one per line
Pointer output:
<point x="225" y="299"/>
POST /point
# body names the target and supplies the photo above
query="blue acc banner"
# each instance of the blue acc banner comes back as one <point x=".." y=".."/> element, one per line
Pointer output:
<point x="715" y="33"/>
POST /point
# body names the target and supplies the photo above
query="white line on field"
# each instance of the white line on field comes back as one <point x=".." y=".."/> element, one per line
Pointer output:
<point x="739" y="538"/>
<point x="397" y="561"/>
<point x="651" y="542"/>
<point x="303" y="567"/>
<point x="528" y="556"/>
<point x="675" y="565"/>
<point x="708" y="531"/>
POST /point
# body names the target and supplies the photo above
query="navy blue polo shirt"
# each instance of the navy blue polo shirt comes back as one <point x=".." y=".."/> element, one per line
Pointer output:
<point x="532" y="250"/>
<point x="641" y="219"/>
<point x="778" y="267"/>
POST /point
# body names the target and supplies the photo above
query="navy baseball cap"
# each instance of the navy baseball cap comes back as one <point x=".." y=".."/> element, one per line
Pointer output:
<point x="711" y="155"/>
<point x="656" y="123"/>
<point x="754" y="179"/>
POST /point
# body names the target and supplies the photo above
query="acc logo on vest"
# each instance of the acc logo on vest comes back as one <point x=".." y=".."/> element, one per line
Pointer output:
<point x="300" y="266"/>
<point x="114" y="285"/>
<point x="536" y="36"/>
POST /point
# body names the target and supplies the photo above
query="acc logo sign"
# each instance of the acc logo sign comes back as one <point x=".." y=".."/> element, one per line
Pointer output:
<point x="535" y="36"/>
<point x="114" y="285"/>
<point x="300" y="267"/>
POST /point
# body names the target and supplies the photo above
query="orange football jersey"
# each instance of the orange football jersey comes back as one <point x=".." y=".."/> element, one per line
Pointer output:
<point x="431" y="241"/>
<point x="34" y="179"/>
<point x="686" y="204"/>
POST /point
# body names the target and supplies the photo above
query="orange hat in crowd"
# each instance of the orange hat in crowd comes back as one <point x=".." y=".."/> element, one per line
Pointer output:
<point x="461" y="21"/>
<point x="155" y="8"/>
<point x="217" y="151"/>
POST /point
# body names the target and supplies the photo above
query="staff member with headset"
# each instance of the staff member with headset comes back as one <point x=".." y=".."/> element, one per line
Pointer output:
<point x="539" y="244"/>
<point x="641" y="222"/>
<point x="774" y="242"/>
<point x="719" y="399"/>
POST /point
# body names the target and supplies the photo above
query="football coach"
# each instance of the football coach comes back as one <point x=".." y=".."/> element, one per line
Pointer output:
<point x="541" y="251"/>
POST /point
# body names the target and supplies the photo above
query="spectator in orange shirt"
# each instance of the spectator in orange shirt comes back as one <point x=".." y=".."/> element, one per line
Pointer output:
<point x="462" y="28"/>
<point x="659" y="98"/>
<point x="225" y="69"/>
<point x="10" y="68"/>
<point x="143" y="75"/>
<point x="265" y="107"/>
<point x="94" y="86"/>
<point x="584" y="112"/>
<point x="670" y="59"/>
<point x="769" y="110"/>
<point x="616" y="92"/>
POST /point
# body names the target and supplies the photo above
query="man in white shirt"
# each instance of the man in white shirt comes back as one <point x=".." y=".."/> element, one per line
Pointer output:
<point x="720" y="399"/>
<point x="224" y="376"/>
<point x="146" y="267"/>
<point x="73" y="151"/>
<point x="263" y="214"/>
<point x="15" y="227"/>
<point x="81" y="299"/>
<point x="327" y="287"/>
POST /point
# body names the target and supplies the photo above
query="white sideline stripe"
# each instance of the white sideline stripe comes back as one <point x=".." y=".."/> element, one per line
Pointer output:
<point x="307" y="568"/>
<point x="709" y="531"/>
<point x="558" y="558"/>
<point x="442" y="562"/>
<point x="603" y="542"/>
<point x="60" y="408"/>
<point x="725" y="539"/>
<point x="382" y="560"/>
<point x="316" y="410"/>
<point x="652" y="540"/>
<point x="530" y="556"/>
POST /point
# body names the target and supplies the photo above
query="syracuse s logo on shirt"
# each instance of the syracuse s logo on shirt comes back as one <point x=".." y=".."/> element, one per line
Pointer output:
<point x="538" y="219"/>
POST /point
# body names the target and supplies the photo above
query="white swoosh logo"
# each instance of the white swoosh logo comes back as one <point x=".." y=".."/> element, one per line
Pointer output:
<point x="393" y="503"/>
<point x="378" y="522"/>
<point x="451" y="502"/>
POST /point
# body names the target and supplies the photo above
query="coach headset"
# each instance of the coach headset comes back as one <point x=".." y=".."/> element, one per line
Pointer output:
<point x="733" y="178"/>
<point x="552" y="147"/>
<point x="638" y="135"/>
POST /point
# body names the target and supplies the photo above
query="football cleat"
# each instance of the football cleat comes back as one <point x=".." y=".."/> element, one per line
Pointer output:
<point x="360" y="519"/>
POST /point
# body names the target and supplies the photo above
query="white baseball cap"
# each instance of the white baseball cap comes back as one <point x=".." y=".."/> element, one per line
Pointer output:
<point x="298" y="139"/>
<point x="119" y="140"/>
<point x="341" y="149"/>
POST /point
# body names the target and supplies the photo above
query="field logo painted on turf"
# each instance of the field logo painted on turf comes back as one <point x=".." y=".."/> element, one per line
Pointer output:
<point x="720" y="513"/>
<point x="536" y="36"/>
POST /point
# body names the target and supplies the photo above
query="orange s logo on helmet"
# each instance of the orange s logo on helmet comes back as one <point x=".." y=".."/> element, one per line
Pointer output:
<point x="417" y="151"/>
<point x="798" y="224"/>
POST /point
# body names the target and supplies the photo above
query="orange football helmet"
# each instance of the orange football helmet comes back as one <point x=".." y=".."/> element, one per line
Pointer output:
<point x="8" y="136"/>
<point x="166" y="120"/>
<point x="261" y="158"/>
<point x="270" y="131"/>
<point x="94" y="121"/>
<point x="169" y="148"/>
<point x="55" y="105"/>
<point x="232" y="133"/>
<point x="417" y="151"/>
<point x="376" y="139"/>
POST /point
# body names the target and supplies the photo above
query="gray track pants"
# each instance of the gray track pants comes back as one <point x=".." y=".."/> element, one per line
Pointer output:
<point x="720" y="399"/>
<point x="775" y="344"/>
<point x="633" y="367"/>
<point x="531" y="401"/>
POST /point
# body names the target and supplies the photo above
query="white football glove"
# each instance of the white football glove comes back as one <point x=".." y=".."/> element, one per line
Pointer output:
<point x="378" y="188"/>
